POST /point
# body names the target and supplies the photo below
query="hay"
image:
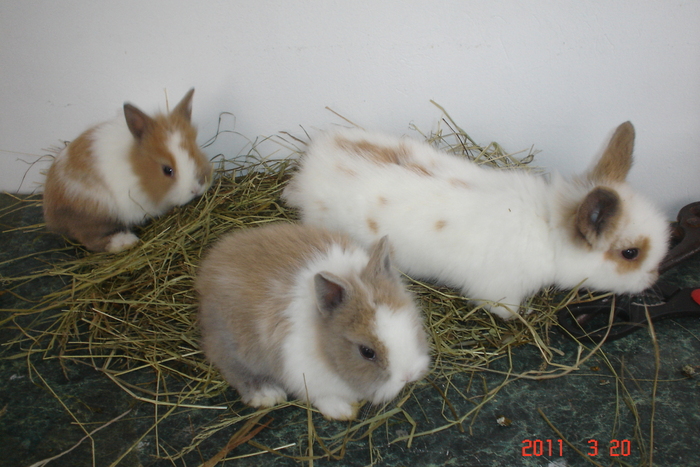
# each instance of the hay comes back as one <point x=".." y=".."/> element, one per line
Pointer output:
<point x="133" y="314"/>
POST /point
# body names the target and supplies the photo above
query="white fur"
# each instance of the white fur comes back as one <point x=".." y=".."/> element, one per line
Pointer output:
<point x="267" y="396"/>
<point x="503" y="236"/>
<point x="122" y="195"/>
<point x="407" y="363"/>
<point x="121" y="241"/>
<point x="187" y="185"/>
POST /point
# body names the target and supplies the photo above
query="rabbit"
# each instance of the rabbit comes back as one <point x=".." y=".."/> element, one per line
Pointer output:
<point x="292" y="309"/>
<point x="122" y="173"/>
<point x="498" y="236"/>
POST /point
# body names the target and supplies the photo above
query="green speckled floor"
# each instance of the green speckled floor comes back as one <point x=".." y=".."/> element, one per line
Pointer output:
<point x="585" y="405"/>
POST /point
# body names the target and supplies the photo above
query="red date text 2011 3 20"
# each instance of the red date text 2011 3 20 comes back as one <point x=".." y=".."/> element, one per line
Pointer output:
<point x="549" y="448"/>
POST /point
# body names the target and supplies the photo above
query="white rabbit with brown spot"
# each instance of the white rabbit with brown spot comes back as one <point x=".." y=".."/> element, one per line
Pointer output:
<point x="122" y="173"/>
<point x="291" y="309"/>
<point x="499" y="236"/>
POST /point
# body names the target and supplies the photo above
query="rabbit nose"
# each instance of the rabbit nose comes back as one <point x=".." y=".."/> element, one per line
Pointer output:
<point x="198" y="189"/>
<point x="410" y="376"/>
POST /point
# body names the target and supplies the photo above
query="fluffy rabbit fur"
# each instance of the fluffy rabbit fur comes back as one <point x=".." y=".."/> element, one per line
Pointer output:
<point x="123" y="172"/>
<point x="292" y="309"/>
<point x="497" y="235"/>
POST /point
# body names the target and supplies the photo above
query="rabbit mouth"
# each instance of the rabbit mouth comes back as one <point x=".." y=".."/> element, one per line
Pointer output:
<point x="389" y="390"/>
<point x="384" y="394"/>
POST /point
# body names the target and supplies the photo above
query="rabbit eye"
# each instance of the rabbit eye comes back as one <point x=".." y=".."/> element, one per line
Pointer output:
<point x="168" y="171"/>
<point x="630" y="253"/>
<point x="367" y="353"/>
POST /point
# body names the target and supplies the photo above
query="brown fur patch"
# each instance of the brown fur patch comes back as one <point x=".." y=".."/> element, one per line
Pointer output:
<point x="626" y="265"/>
<point x="439" y="225"/>
<point x="373" y="152"/>
<point x="346" y="170"/>
<point x="457" y="183"/>
<point x="616" y="161"/>
<point x="419" y="169"/>
<point x="383" y="201"/>
<point x="383" y="155"/>
<point x="373" y="226"/>
<point x="321" y="206"/>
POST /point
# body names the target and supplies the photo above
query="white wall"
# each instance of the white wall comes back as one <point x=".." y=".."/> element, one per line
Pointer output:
<point x="557" y="74"/>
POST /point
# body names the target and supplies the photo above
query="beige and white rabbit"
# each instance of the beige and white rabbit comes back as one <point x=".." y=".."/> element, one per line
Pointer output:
<point x="499" y="236"/>
<point x="292" y="309"/>
<point x="122" y="173"/>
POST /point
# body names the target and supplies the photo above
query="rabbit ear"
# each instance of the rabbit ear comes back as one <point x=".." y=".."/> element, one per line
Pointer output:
<point x="379" y="260"/>
<point x="598" y="214"/>
<point x="184" y="107"/>
<point x="331" y="292"/>
<point x="616" y="160"/>
<point x="137" y="121"/>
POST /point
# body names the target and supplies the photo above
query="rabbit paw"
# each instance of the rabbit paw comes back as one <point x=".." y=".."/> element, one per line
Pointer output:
<point x="335" y="408"/>
<point x="266" y="396"/>
<point x="121" y="241"/>
<point x="503" y="312"/>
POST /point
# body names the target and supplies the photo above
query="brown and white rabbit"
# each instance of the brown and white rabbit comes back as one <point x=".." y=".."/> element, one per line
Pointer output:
<point x="292" y="309"/>
<point x="497" y="235"/>
<point x="123" y="172"/>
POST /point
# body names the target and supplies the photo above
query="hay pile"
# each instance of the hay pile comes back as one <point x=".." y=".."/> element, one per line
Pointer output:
<point x="134" y="314"/>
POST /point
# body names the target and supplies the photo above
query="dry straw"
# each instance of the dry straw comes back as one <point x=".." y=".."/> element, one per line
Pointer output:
<point x="134" y="313"/>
